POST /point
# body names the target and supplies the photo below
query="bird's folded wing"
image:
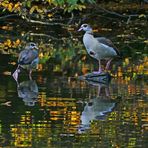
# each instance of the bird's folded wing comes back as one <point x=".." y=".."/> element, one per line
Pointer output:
<point x="109" y="43"/>
<point x="27" y="56"/>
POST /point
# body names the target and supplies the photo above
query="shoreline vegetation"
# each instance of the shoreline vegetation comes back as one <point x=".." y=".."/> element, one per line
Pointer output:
<point x="124" y="22"/>
<point x="45" y="12"/>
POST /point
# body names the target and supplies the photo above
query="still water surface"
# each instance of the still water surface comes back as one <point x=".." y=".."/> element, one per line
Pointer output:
<point x="64" y="111"/>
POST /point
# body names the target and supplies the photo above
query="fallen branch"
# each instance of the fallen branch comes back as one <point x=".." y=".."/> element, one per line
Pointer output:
<point x="128" y="17"/>
<point x="43" y="35"/>
<point x="9" y="15"/>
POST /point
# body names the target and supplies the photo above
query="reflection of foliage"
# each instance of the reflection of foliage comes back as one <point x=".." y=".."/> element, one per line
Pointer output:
<point x="132" y="70"/>
<point x="61" y="120"/>
<point x="55" y="120"/>
<point x="58" y="110"/>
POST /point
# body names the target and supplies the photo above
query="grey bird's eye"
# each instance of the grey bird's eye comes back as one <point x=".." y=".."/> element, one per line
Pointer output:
<point x="32" y="44"/>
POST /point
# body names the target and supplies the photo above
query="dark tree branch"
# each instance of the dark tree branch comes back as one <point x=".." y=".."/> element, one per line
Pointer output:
<point x="43" y="35"/>
<point x="7" y="16"/>
<point x="111" y="12"/>
<point x="43" y="22"/>
<point x="128" y="17"/>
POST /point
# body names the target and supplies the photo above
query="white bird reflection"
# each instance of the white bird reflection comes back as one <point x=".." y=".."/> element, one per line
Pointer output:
<point x="28" y="91"/>
<point x="97" y="108"/>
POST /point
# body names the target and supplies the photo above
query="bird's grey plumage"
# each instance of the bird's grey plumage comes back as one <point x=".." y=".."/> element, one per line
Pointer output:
<point x="27" y="56"/>
<point x="98" y="47"/>
<point x="28" y="59"/>
<point x="108" y="42"/>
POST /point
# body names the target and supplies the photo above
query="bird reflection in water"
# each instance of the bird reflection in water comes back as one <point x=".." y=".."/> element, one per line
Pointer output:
<point x="97" y="108"/>
<point x="28" y="91"/>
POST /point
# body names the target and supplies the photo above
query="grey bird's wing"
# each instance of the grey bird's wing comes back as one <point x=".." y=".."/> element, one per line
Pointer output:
<point x="109" y="43"/>
<point x="27" y="56"/>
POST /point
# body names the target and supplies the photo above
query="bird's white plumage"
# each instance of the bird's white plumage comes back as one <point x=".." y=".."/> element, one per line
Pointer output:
<point x="101" y="51"/>
<point x="98" y="47"/>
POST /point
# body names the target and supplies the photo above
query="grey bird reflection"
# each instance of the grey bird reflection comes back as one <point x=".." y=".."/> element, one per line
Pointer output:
<point x="28" y="91"/>
<point x="97" y="108"/>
